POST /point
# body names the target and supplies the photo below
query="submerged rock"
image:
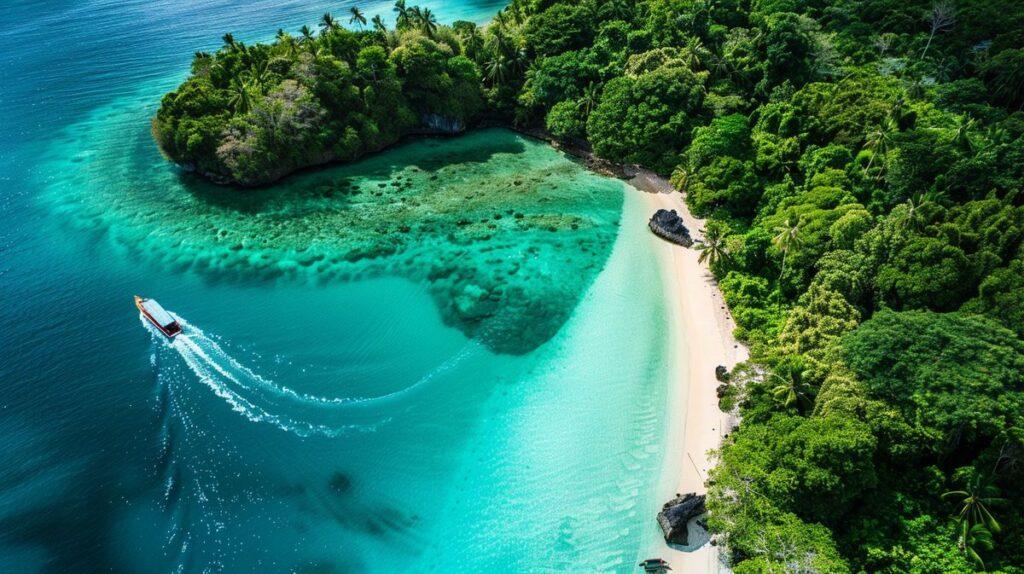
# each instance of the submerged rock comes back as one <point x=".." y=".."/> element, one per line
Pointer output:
<point x="676" y="513"/>
<point x="668" y="225"/>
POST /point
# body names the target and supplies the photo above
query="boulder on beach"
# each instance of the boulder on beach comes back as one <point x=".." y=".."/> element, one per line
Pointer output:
<point x="722" y="374"/>
<point x="676" y="513"/>
<point x="668" y="225"/>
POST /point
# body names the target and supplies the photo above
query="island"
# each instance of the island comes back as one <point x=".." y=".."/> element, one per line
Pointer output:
<point x="858" y="171"/>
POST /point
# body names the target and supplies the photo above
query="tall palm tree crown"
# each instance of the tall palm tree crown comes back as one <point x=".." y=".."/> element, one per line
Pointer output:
<point x="328" y="23"/>
<point x="792" y="390"/>
<point x="403" y="16"/>
<point x="787" y="238"/>
<point x="879" y="141"/>
<point x="357" y="17"/>
<point x="713" y="248"/>
<point x="975" y="499"/>
<point x="425" y="21"/>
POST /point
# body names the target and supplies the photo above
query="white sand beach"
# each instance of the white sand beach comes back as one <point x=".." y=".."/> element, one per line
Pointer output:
<point x="702" y="323"/>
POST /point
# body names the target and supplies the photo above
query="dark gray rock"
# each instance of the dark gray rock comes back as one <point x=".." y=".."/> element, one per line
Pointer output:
<point x="442" y="124"/>
<point x="668" y="225"/>
<point x="722" y="374"/>
<point x="676" y="513"/>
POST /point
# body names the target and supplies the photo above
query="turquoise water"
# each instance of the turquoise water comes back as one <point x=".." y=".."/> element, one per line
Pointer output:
<point x="448" y="357"/>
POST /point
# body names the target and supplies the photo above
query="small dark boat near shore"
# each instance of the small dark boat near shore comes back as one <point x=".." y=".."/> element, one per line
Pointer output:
<point x="655" y="566"/>
<point x="158" y="316"/>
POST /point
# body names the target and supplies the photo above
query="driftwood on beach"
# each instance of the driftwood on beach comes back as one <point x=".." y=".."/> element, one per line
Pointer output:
<point x="669" y="226"/>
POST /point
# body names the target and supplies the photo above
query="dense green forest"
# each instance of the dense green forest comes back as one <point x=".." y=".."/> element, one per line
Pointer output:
<point x="251" y="114"/>
<point x="860" y="165"/>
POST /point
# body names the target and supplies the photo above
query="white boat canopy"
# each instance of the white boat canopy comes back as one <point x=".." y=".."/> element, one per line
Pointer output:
<point x="158" y="313"/>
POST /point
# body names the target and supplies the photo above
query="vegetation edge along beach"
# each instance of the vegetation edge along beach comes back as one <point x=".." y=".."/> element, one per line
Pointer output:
<point x="859" y="167"/>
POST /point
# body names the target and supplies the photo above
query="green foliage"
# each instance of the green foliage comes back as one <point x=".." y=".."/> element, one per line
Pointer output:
<point x="647" y="118"/>
<point x="957" y="377"/>
<point x="250" y="114"/>
<point x="565" y="120"/>
<point x="727" y="183"/>
<point x="724" y="136"/>
<point x="1001" y="296"/>
<point x="561" y="28"/>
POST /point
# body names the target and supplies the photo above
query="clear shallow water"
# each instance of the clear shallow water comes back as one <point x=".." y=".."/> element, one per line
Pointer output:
<point x="478" y="395"/>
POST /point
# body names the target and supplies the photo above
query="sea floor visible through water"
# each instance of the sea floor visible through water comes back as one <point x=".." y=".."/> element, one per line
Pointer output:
<point x="451" y="356"/>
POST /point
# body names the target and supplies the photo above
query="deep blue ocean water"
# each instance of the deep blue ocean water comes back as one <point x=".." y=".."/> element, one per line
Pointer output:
<point x="330" y="419"/>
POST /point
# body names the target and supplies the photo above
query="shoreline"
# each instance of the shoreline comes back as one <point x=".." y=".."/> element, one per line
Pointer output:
<point x="701" y="323"/>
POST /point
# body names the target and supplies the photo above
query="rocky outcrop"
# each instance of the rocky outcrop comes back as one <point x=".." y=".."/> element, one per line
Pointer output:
<point x="435" y="123"/>
<point x="722" y="374"/>
<point x="668" y="225"/>
<point x="676" y="513"/>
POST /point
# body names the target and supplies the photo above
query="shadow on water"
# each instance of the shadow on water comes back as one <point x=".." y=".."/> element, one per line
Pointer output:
<point x="380" y="520"/>
<point x="73" y="528"/>
<point x="336" y="182"/>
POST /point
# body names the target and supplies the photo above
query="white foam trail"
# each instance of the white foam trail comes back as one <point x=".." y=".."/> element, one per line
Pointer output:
<point x="214" y="367"/>
<point x="196" y="335"/>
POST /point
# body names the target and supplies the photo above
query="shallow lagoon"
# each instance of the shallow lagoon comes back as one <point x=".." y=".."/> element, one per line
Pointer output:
<point x="353" y="396"/>
<point x="506" y="231"/>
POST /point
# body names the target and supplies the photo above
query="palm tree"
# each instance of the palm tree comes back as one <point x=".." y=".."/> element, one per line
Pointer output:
<point x="229" y="40"/>
<point x="962" y="133"/>
<point x="713" y="248"/>
<point x="587" y="103"/>
<point x="201" y="64"/>
<point x="976" y="538"/>
<point x="879" y="141"/>
<point x="501" y="21"/>
<point x="912" y="217"/>
<point x="516" y="11"/>
<point x="240" y="99"/>
<point x="499" y="41"/>
<point x="378" y="24"/>
<point x="307" y="34"/>
<point x="257" y="75"/>
<point x="497" y="70"/>
<point x="472" y="41"/>
<point x="787" y="238"/>
<point x="617" y="10"/>
<point x="286" y="40"/>
<point x="328" y="23"/>
<point x="357" y="17"/>
<point x="975" y="499"/>
<point x="427" y="22"/>
<point x="792" y="390"/>
<point x="403" y="20"/>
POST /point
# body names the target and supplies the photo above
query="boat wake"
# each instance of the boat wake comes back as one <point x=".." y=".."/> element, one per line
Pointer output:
<point x="202" y="474"/>
<point x="261" y="399"/>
